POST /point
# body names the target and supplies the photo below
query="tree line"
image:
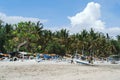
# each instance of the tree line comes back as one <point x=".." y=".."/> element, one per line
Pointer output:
<point x="36" y="39"/>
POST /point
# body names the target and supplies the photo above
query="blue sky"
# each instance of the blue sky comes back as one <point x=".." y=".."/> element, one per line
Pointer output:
<point x="56" y="12"/>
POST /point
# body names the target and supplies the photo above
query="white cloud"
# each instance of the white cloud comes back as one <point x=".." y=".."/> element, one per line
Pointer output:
<point x="89" y="18"/>
<point x="17" y="19"/>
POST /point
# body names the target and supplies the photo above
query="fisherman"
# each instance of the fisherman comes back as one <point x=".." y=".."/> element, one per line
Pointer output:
<point x="72" y="60"/>
<point x="90" y="59"/>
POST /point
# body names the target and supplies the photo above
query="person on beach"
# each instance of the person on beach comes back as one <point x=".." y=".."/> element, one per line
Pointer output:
<point x="90" y="59"/>
<point x="72" y="60"/>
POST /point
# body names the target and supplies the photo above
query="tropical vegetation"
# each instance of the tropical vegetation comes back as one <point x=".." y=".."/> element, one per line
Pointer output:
<point x="32" y="37"/>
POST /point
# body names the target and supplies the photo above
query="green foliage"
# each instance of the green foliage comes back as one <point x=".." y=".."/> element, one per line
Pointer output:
<point x="31" y="37"/>
<point x="4" y="35"/>
<point x="23" y="32"/>
<point x="56" y="48"/>
<point x="2" y="38"/>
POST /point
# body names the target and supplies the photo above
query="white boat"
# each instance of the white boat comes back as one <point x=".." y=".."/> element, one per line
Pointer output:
<point x="82" y="62"/>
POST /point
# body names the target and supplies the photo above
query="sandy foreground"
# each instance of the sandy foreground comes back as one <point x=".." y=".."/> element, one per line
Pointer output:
<point x="52" y="70"/>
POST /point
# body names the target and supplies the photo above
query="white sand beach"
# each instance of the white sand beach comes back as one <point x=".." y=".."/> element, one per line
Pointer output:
<point x="51" y="70"/>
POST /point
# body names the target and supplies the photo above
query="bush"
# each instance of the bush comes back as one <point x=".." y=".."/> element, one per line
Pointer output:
<point x="54" y="47"/>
